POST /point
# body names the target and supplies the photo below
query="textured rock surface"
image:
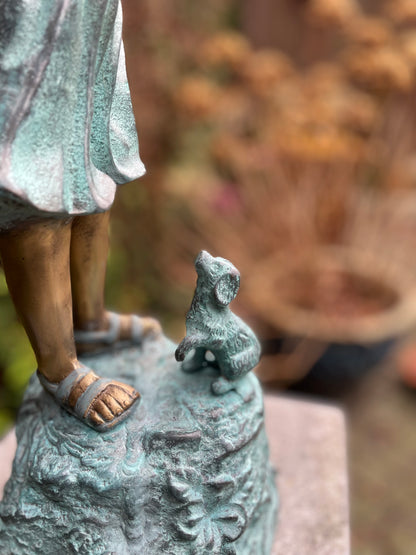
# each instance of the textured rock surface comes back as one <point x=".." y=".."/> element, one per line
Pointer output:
<point x="307" y="445"/>
<point x="187" y="473"/>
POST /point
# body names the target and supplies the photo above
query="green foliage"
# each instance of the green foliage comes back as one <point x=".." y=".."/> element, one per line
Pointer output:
<point x="16" y="360"/>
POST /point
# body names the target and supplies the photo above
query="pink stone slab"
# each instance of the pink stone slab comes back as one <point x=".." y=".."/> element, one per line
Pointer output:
<point x="308" y="448"/>
<point x="7" y="450"/>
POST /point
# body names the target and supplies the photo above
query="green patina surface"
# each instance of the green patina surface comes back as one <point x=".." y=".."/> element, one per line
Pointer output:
<point x="188" y="472"/>
<point x="211" y="326"/>
<point x="67" y="130"/>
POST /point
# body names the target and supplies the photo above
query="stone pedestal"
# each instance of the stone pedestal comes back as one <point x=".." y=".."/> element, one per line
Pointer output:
<point x="307" y="445"/>
<point x="308" y="448"/>
<point x="7" y="452"/>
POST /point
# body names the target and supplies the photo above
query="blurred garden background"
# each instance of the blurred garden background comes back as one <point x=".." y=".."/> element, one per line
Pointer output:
<point x="281" y="134"/>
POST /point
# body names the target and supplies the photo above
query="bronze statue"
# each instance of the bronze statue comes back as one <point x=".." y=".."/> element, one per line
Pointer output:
<point x="67" y="138"/>
<point x="212" y="327"/>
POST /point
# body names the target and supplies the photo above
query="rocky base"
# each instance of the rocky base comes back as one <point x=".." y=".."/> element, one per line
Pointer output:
<point x="188" y="472"/>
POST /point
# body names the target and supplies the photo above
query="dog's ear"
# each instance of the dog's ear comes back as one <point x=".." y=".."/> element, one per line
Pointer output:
<point x="226" y="288"/>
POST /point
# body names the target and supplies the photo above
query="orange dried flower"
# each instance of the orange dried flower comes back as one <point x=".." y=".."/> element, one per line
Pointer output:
<point x="197" y="97"/>
<point x="357" y="111"/>
<point x="322" y="78"/>
<point x="322" y="147"/>
<point x="264" y="69"/>
<point x="379" y="69"/>
<point x="331" y="12"/>
<point x="402" y="12"/>
<point x="324" y="97"/>
<point x="228" y="49"/>
<point x="408" y="45"/>
<point x="369" y="31"/>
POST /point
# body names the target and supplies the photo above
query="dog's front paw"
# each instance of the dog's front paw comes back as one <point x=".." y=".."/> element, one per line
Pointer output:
<point x="190" y="366"/>
<point x="221" y="386"/>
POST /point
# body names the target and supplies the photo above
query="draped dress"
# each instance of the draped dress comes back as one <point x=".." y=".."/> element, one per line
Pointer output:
<point x="67" y="130"/>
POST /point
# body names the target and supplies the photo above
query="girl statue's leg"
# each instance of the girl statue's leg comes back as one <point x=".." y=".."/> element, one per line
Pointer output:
<point x="37" y="268"/>
<point x="36" y="264"/>
<point x="89" y="250"/>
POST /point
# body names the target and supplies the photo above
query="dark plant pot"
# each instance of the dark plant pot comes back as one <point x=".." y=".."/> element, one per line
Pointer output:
<point x="318" y="353"/>
<point x="338" y="368"/>
<point x="342" y="366"/>
<point x="350" y="361"/>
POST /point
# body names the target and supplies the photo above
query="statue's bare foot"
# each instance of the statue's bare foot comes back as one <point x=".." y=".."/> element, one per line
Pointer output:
<point x="100" y="403"/>
<point x="120" y="330"/>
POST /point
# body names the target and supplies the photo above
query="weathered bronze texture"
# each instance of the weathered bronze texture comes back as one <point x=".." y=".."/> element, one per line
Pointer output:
<point x="67" y="138"/>
<point x="211" y="326"/>
<point x="187" y="472"/>
<point x="44" y="263"/>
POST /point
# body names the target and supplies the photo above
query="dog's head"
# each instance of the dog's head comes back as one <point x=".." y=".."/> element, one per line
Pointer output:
<point x="218" y="279"/>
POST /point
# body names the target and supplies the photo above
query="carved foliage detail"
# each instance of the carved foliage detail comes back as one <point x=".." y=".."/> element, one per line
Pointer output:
<point x="210" y="513"/>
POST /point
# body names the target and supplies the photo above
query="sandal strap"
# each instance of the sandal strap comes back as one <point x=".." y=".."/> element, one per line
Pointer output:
<point x="62" y="390"/>
<point x="89" y="396"/>
<point x="136" y="329"/>
<point x="108" y="336"/>
<point x="111" y="335"/>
